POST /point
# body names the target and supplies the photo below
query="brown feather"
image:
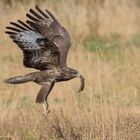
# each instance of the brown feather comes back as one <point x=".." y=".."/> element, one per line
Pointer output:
<point x="36" y="14"/>
<point x="14" y="29"/>
<point x="31" y="17"/>
<point x="10" y="33"/>
<point x="18" y="26"/>
<point x="25" y="25"/>
<point x="53" y="30"/>
<point x="46" y="16"/>
<point x="50" y="14"/>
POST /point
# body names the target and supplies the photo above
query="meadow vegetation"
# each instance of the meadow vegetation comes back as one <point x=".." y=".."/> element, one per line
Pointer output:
<point x="106" y="50"/>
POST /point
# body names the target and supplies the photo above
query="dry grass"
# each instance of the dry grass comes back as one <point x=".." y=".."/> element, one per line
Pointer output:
<point x="108" y="108"/>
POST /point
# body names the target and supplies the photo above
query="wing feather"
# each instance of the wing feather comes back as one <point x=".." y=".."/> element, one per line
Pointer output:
<point x="31" y="17"/>
<point x="10" y="33"/>
<point x="14" y="29"/>
<point x="25" y="25"/>
<point x="38" y="51"/>
<point x="36" y="14"/>
<point x="42" y="12"/>
<point x="51" y="15"/>
<point x="49" y="27"/>
<point x="18" y="26"/>
<point x="44" y="41"/>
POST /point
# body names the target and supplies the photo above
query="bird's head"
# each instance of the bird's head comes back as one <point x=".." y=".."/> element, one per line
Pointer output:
<point x="74" y="73"/>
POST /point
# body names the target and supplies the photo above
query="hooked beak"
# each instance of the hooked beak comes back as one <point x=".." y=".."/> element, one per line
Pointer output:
<point x="82" y="82"/>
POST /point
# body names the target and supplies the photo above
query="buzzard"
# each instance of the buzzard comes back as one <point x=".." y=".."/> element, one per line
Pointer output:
<point x="45" y="44"/>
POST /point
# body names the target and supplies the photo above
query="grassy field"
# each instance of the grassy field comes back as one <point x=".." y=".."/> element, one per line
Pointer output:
<point x="106" y="50"/>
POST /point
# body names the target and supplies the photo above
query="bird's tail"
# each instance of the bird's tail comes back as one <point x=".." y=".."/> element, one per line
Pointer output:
<point x="18" y="80"/>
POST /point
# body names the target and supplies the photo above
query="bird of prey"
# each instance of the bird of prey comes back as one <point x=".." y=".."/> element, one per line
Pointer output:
<point x="45" y="44"/>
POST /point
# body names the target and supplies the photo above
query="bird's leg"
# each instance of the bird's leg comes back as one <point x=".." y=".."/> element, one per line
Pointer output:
<point x="46" y="108"/>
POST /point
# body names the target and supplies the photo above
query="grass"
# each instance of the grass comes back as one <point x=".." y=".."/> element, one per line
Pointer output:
<point x="108" y="57"/>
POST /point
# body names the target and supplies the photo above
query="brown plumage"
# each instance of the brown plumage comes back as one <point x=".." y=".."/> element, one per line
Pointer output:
<point x="45" y="44"/>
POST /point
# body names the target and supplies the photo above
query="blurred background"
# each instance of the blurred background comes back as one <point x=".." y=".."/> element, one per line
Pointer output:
<point x="105" y="49"/>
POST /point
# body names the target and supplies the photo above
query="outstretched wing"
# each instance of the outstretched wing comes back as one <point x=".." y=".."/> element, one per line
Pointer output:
<point x="45" y="43"/>
<point x="47" y="25"/>
<point x="39" y="52"/>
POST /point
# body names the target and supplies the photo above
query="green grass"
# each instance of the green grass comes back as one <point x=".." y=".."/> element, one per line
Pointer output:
<point x="134" y="41"/>
<point x="103" y="44"/>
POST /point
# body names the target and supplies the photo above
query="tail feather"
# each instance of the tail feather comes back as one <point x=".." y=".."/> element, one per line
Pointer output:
<point x="14" y="80"/>
<point x="18" y="80"/>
